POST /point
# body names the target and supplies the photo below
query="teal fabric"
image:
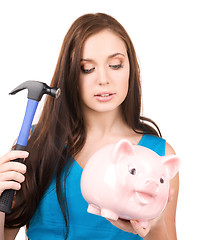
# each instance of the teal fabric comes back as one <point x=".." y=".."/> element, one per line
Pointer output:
<point x="48" y="221"/>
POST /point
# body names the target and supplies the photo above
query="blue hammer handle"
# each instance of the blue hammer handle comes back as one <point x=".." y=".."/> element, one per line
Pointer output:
<point x="7" y="196"/>
<point x="27" y="122"/>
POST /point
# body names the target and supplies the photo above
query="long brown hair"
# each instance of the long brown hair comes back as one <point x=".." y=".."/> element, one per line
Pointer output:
<point x="61" y="122"/>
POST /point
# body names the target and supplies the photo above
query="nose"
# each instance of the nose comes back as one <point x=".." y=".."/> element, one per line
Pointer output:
<point x="151" y="187"/>
<point x="102" y="77"/>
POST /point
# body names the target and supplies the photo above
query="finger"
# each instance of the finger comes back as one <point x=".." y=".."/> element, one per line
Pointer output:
<point x="14" y="176"/>
<point x="12" y="155"/>
<point x="13" y="166"/>
<point x="124" y="225"/>
<point x="142" y="232"/>
<point x="9" y="185"/>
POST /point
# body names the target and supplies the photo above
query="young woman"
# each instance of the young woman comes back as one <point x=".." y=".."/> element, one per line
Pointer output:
<point x="99" y="76"/>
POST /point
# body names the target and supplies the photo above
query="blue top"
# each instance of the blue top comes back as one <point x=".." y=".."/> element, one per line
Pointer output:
<point x="48" y="222"/>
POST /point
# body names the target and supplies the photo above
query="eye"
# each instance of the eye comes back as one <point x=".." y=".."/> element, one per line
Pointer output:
<point x="87" y="70"/>
<point x="161" y="180"/>
<point x="116" y="66"/>
<point x="132" y="170"/>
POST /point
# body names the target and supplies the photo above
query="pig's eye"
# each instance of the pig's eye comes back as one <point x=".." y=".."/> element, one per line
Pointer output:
<point x="161" y="180"/>
<point x="132" y="170"/>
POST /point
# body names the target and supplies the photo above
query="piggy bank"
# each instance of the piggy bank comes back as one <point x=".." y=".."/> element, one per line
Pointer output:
<point x="128" y="181"/>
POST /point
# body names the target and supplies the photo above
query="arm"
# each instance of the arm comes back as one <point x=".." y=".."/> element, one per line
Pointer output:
<point x="2" y="220"/>
<point x="165" y="228"/>
<point x="5" y="233"/>
<point x="10" y="233"/>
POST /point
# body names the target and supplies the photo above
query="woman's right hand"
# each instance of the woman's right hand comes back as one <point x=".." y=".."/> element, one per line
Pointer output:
<point x="12" y="173"/>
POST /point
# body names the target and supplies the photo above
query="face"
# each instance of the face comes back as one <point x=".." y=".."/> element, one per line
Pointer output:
<point x="104" y="74"/>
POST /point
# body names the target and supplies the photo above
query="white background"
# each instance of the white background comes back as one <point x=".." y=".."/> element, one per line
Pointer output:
<point x="167" y="39"/>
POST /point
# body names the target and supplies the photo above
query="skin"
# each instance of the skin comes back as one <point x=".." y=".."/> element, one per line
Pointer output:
<point x="100" y="76"/>
<point x="105" y="70"/>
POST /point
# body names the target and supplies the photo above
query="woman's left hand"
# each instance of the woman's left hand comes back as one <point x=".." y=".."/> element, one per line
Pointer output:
<point x="132" y="226"/>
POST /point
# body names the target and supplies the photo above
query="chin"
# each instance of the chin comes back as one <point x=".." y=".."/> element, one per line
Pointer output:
<point x="102" y="109"/>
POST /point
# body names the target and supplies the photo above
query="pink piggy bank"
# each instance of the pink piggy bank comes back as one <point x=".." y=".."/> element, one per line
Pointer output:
<point x="128" y="181"/>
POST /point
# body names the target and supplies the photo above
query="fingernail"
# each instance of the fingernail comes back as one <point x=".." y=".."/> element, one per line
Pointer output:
<point x="133" y="222"/>
<point x="24" y="154"/>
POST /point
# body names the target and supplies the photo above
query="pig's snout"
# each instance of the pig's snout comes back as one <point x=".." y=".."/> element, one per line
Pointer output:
<point x="151" y="187"/>
<point x="148" y="192"/>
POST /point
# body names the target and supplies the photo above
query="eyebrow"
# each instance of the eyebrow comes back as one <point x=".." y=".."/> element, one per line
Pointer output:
<point x="116" y="54"/>
<point x="110" y="56"/>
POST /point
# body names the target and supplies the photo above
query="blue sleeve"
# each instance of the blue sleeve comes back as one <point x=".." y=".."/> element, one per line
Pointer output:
<point x="154" y="143"/>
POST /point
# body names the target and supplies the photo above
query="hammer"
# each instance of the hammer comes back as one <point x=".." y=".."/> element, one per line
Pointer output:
<point x="35" y="92"/>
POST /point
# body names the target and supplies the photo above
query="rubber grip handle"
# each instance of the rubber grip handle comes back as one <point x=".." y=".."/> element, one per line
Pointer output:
<point x="6" y="201"/>
<point x="7" y="196"/>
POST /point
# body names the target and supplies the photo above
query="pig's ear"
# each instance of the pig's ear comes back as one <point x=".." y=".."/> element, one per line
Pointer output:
<point x="171" y="163"/>
<point x="122" y="148"/>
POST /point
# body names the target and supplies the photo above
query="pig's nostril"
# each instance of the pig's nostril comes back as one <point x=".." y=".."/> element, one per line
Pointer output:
<point x="151" y="187"/>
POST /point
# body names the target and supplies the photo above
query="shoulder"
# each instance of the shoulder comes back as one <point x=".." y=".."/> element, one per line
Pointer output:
<point x="169" y="150"/>
<point x="157" y="144"/>
<point x="154" y="143"/>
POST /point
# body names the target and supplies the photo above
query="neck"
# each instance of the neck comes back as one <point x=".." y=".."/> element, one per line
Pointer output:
<point x="104" y="123"/>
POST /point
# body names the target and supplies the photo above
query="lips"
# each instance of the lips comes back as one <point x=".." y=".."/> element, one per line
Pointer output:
<point x="104" y="96"/>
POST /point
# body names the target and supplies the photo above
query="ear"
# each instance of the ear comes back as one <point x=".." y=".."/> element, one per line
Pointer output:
<point x="123" y="147"/>
<point x="171" y="163"/>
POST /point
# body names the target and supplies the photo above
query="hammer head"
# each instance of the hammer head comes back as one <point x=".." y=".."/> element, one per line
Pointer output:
<point x="36" y="90"/>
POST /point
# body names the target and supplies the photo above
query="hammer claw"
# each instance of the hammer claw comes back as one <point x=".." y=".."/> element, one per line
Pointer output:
<point x="18" y="88"/>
